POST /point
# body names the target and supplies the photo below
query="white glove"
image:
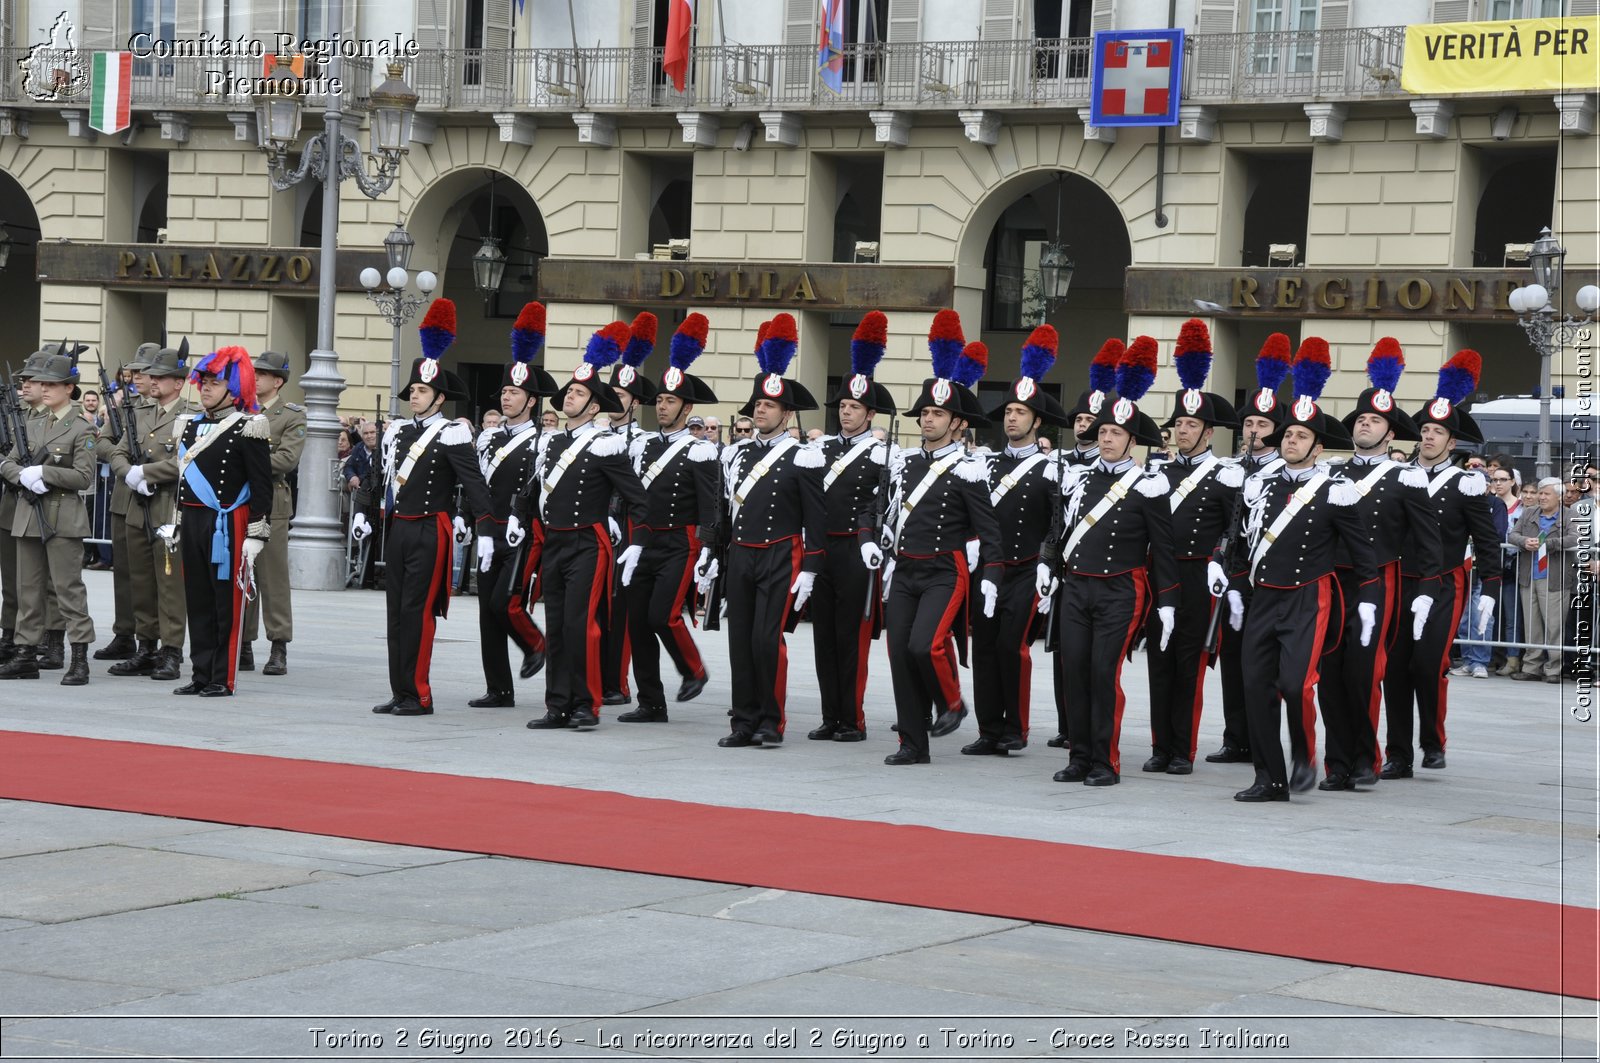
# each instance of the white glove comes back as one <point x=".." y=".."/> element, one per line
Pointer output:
<point x="1216" y="579"/>
<point x="1421" y="606"/>
<point x="145" y="489"/>
<point x="1236" y="610"/>
<point x="972" y="555"/>
<point x="1045" y="583"/>
<point x="990" y="592"/>
<point x="705" y="571"/>
<point x="514" y="531"/>
<point x="616" y="532"/>
<point x="485" y="552"/>
<point x="135" y="478"/>
<point x="1369" y="617"/>
<point x="462" y="535"/>
<point x="252" y="550"/>
<point x="1485" y="614"/>
<point x="32" y="478"/>
<point x="871" y="556"/>
<point x="167" y="532"/>
<point x="629" y="560"/>
<point x="360" y="528"/>
<point x="1169" y="619"/>
<point x="888" y="574"/>
<point x="801" y="589"/>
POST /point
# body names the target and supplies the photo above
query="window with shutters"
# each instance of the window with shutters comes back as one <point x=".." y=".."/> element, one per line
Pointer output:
<point x="485" y="39"/>
<point x="313" y="20"/>
<point x="646" y="78"/>
<point x="1510" y="9"/>
<point x="865" y="23"/>
<point x="1287" y="35"/>
<point x="1061" y="33"/>
<point x="158" y="18"/>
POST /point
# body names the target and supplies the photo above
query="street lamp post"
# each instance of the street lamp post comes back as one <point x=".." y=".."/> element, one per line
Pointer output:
<point x="395" y="304"/>
<point x="316" y="539"/>
<point x="1536" y="306"/>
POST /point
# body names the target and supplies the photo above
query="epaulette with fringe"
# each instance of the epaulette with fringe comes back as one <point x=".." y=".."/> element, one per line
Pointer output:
<point x="972" y="470"/>
<point x="455" y="434"/>
<point x="702" y="450"/>
<point x="808" y="456"/>
<point x="391" y="431"/>
<point x="609" y="445"/>
<point x="1343" y="493"/>
<point x="1254" y="488"/>
<point x="876" y="457"/>
<point x="1412" y="476"/>
<point x="1472" y="483"/>
<point x="1231" y="474"/>
<point x="256" y="426"/>
<point x="636" y="448"/>
<point x="1153" y="484"/>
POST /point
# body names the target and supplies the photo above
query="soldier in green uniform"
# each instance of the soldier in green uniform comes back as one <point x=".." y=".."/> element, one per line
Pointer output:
<point x="51" y="525"/>
<point x="28" y="393"/>
<point x="122" y="645"/>
<point x="287" y="422"/>
<point x="154" y="573"/>
<point x="8" y="559"/>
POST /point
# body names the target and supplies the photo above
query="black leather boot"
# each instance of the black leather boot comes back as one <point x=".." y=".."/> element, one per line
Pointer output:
<point x="247" y="657"/>
<point x="8" y="643"/>
<point x="278" y="659"/>
<point x="54" y="654"/>
<point x="22" y="664"/>
<point x="78" y="671"/>
<point x="119" y="648"/>
<point x="168" y="665"/>
<point x="141" y="663"/>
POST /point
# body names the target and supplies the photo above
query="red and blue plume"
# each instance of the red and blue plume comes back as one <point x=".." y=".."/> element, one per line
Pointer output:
<point x="1274" y="361"/>
<point x="1192" y="356"/>
<point x="1137" y="369"/>
<point x="1386" y="363"/>
<point x="1103" y="370"/>
<point x="641" y="339"/>
<point x="438" y="328"/>
<point x="232" y="366"/>
<point x="688" y="342"/>
<point x="527" y="335"/>
<point x="1458" y="378"/>
<point x="778" y="349"/>
<point x="945" y="340"/>
<point x="971" y="364"/>
<point x="1039" y="353"/>
<point x="1312" y="368"/>
<point x="761" y="337"/>
<point x="867" y="345"/>
<point x="605" y="346"/>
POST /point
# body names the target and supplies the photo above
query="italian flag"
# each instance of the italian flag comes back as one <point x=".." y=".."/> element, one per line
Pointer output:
<point x="110" y="85"/>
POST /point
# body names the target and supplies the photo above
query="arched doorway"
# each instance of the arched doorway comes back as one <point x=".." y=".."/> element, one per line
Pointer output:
<point x="1006" y="234"/>
<point x="19" y="281"/>
<point x="449" y="222"/>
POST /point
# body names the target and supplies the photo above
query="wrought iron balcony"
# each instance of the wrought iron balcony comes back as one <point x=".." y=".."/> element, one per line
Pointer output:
<point x="1284" y="67"/>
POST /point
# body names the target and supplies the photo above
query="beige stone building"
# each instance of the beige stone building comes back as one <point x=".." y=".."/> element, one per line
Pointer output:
<point x="958" y="138"/>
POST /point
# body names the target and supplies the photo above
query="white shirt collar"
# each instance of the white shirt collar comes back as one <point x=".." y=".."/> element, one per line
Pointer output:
<point x="673" y="437"/>
<point x="588" y="427"/>
<point x="1114" y="467"/>
<point x="947" y="449"/>
<point x="1027" y="451"/>
<point x="862" y="437"/>
<point x="424" y="422"/>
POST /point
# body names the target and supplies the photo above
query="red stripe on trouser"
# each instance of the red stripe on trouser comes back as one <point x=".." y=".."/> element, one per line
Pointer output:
<point x="1390" y="616"/>
<point x="1025" y="672"/>
<point x="241" y="521"/>
<point x="517" y="606"/>
<point x="599" y="590"/>
<point x="444" y="536"/>
<point x="942" y="653"/>
<point x="863" y="651"/>
<point x="1308" y="683"/>
<point x="676" y="628"/>
<point x="1141" y="591"/>
<point x="780" y="692"/>
<point x="1460" y="578"/>
<point x="1200" y="687"/>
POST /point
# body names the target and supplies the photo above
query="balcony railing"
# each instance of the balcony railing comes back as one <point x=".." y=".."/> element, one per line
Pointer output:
<point x="1290" y="66"/>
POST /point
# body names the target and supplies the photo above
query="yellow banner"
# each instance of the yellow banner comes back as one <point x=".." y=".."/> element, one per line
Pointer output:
<point x="1519" y="55"/>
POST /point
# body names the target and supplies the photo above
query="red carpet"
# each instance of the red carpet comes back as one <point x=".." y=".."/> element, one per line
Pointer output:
<point x="1547" y="948"/>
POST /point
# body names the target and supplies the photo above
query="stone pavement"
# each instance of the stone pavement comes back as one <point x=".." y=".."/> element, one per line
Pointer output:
<point x="131" y="935"/>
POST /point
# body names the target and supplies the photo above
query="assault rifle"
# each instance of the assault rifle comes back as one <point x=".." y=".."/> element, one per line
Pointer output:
<point x="879" y="515"/>
<point x="1050" y="549"/>
<point x="16" y="427"/>
<point x="108" y="388"/>
<point x="137" y="454"/>
<point x="1225" y="546"/>
<point x="525" y="499"/>
<point x="716" y="540"/>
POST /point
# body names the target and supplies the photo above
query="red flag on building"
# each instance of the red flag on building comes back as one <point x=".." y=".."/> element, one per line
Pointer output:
<point x="680" y="24"/>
